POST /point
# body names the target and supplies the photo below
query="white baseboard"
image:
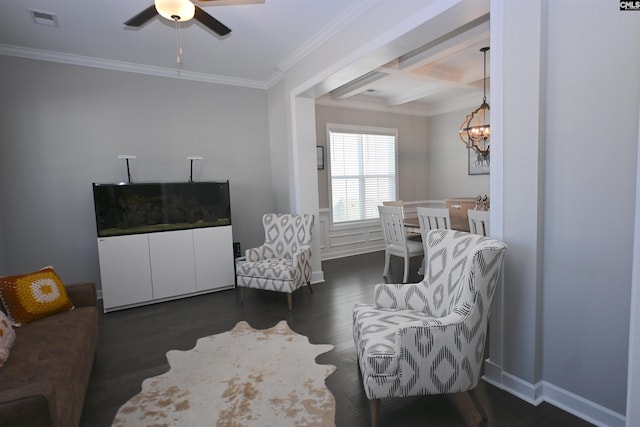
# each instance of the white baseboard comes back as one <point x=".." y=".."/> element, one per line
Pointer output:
<point x="352" y="252"/>
<point x="530" y="393"/>
<point x="547" y="392"/>
<point x="581" y="407"/>
<point x="317" y="277"/>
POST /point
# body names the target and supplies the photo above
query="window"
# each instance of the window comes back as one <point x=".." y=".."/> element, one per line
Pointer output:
<point x="362" y="171"/>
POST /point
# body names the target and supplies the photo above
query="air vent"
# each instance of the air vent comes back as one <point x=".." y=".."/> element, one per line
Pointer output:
<point x="44" y="18"/>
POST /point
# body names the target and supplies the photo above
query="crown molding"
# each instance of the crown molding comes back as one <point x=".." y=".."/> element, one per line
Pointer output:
<point x="129" y="67"/>
<point x="343" y="21"/>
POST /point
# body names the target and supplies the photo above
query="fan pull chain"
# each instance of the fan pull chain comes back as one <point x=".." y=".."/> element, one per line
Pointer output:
<point x="178" y="41"/>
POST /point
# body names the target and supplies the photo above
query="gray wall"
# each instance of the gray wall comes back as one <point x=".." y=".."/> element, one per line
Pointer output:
<point x="592" y="101"/>
<point x="570" y="148"/>
<point x="412" y="147"/>
<point x="448" y="160"/>
<point x="63" y="126"/>
<point x="280" y="160"/>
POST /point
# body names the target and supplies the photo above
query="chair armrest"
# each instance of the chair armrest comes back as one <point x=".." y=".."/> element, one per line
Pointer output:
<point x="83" y="294"/>
<point x="302" y="253"/>
<point x="302" y="257"/>
<point x="399" y="296"/>
<point x="428" y="342"/>
<point x="32" y="404"/>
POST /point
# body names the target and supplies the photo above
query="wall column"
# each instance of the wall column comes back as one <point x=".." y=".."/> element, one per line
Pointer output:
<point x="517" y="138"/>
<point x="305" y="174"/>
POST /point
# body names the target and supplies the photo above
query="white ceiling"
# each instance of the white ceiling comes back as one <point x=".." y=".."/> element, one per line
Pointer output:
<point x="266" y="39"/>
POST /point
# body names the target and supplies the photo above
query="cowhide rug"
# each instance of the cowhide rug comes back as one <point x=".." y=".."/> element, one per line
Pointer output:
<point x="243" y="377"/>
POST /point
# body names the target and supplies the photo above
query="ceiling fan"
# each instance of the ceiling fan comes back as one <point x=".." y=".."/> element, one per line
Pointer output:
<point x="179" y="11"/>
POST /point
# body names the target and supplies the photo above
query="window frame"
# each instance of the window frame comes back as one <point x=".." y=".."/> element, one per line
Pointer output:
<point x="357" y="129"/>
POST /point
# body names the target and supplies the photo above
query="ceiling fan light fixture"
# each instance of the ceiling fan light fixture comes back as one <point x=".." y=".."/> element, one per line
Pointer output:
<point x="175" y="10"/>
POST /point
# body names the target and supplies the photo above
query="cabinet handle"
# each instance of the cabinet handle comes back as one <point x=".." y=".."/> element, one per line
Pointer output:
<point x="456" y="207"/>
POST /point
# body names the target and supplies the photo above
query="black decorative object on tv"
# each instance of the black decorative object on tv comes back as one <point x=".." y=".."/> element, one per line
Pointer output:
<point x="149" y="207"/>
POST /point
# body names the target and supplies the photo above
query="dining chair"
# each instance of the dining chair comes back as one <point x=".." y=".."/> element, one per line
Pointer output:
<point x="395" y="239"/>
<point x="431" y="219"/>
<point x="478" y="222"/>
<point x="395" y="203"/>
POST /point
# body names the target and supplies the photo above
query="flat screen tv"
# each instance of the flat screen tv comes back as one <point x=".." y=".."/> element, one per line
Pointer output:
<point x="134" y="208"/>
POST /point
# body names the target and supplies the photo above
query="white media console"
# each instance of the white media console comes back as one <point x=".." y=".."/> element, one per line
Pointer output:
<point x="140" y="269"/>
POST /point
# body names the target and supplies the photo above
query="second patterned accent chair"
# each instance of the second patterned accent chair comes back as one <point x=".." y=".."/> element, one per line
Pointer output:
<point x="428" y="337"/>
<point x="283" y="262"/>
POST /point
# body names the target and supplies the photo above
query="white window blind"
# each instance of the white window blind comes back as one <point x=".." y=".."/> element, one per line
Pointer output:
<point x="363" y="173"/>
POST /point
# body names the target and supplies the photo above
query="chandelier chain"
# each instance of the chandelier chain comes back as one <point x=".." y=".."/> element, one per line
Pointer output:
<point x="484" y="79"/>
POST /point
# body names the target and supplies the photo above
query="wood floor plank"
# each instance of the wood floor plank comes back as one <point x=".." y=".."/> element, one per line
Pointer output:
<point x="133" y="344"/>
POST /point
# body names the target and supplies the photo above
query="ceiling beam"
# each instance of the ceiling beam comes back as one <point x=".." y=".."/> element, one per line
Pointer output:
<point x="449" y="44"/>
<point x="357" y="85"/>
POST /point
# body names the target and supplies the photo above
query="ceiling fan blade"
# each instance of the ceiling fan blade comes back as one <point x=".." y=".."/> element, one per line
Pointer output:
<point x="210" y="22"/>
<point x="142" y="17"/>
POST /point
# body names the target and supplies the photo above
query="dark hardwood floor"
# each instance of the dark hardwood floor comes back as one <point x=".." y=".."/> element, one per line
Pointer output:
<point x="133" y="344"/>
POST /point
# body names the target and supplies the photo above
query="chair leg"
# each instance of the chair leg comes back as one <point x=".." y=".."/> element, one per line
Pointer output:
<point x="387" y="258"/>
<point x="374" y="411"/>
<point x="290" y="301"/>
<point x="241" y="290"/>
<point x="476" y="401"/>
<point x="309" y="286"/>
<point x="406" y="270"/>
<point x="423" y="270"/>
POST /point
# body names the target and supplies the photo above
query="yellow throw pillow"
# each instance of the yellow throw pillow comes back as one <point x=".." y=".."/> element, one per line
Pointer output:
<point x="7" y="337"/>
<point x="29" y="297"/>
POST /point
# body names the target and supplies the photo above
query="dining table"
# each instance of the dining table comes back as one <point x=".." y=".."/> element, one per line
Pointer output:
<point x="412" y="226"/>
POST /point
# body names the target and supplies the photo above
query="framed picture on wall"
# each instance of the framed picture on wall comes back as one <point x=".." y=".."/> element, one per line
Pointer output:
<point x="320" y="155"/>
<point x="478" y="165"/>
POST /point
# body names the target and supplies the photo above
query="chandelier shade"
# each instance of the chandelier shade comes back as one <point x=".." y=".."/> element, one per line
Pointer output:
<point x="475" y="131"/>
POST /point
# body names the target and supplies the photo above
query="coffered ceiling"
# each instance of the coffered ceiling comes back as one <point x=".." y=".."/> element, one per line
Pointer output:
<point x="444" y="75"/>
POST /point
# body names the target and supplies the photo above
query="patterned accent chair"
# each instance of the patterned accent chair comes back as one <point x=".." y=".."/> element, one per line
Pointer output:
<point x="428" y="337"/>
<point x="283" y="262"/>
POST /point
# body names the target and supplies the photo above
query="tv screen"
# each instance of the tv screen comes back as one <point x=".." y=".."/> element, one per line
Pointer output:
<point x="132" y="208"/>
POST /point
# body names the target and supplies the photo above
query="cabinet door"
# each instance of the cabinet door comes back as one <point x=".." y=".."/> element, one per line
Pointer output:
<point x="213" y="248"/>
<point x="124" y="270"/>
<point x="172" y="267"/>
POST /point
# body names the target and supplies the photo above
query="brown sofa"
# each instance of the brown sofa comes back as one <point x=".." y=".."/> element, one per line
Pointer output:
<point x="45" y="379"/>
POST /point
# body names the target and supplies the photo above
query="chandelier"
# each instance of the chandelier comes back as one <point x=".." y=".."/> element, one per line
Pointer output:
<point x="475" y="130"/>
